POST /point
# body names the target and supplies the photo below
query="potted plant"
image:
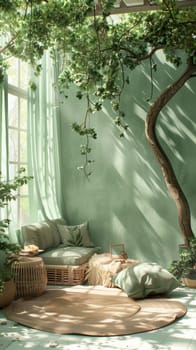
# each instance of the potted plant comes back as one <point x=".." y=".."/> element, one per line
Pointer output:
<point x="8" y="254"/>
<point x="8" y="250"/>
<point x="184" y="269"/>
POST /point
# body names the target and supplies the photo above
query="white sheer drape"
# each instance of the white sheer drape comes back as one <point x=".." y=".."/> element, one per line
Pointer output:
<point x="43" y="143"/>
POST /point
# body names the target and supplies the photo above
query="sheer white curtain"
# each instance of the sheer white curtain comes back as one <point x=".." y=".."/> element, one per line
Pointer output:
<point x="44" y="144"/>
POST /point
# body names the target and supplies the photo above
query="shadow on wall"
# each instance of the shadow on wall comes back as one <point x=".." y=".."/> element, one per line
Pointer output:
<point x="126" y="200"/>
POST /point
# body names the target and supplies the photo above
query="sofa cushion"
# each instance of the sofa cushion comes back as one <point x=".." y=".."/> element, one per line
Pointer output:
<point x="145" y="279"/>
<point x="77" y="235"/>
<point x="45" y="234"/>
<point x="68" y="255"/>
<point x="55" y="230"/>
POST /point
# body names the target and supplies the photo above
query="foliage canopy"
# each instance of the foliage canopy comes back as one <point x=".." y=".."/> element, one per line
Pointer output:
<point x="94" y="50"/>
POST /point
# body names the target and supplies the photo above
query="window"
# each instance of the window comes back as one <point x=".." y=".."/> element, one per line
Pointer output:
<point x="17" y="131"/>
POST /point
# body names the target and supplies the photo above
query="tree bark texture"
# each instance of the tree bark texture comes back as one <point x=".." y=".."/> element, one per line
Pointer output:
<point x="174" y="188"/>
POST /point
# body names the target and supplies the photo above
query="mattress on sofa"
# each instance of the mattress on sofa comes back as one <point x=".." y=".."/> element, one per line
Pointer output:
<point x="68" y="255"/>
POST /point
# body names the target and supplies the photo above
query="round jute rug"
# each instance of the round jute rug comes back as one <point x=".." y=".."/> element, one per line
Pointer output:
<point x="93" y="313"/>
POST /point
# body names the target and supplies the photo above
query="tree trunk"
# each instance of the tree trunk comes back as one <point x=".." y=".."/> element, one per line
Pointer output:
<point x="184" y="215"/>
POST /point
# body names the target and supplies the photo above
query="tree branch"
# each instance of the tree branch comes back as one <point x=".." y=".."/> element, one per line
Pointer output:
<point x="166" y="167"/>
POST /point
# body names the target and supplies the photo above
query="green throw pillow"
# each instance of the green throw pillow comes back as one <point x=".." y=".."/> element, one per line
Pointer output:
<point x="43" y="234"/>
<point x="77" y="235"/>
<point x="39" y="234"/>
<point x="145" y="279"/>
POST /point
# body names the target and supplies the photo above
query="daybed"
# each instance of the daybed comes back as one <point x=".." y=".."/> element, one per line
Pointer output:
<point x="70" y="258"/>
<point x="64" y="249"/>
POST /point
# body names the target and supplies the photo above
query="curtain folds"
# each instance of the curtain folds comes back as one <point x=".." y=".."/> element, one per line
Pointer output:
<point x="44" y="143"/>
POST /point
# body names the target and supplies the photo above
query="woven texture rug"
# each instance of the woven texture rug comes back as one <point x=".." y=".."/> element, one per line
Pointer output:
<point x="94" y="311"/>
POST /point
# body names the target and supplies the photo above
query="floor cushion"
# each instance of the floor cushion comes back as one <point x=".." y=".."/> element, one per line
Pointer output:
<point x="145" y="279"/>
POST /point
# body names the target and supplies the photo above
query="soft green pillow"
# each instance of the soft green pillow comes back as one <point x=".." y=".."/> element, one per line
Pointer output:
<point x="77" y="235"/>
<point x="145" y="279"/>
<point x="43" y="234"/>
<point x="55" y="231"/>
<point x="39" y="234"/>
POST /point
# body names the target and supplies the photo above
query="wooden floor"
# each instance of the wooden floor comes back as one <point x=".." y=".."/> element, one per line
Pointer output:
<point x="181" y="335"/>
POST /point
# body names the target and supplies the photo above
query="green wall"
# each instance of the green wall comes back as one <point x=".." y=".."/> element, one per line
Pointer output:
<point x="126" y="200"/>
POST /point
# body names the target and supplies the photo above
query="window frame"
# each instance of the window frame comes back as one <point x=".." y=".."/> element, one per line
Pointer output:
<point x="21" y="94"/>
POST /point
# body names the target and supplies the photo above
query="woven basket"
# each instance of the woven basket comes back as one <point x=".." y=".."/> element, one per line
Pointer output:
<point x="30" y="276"/>
<point x="191" y="283"/>
<point x="66" y="275"/>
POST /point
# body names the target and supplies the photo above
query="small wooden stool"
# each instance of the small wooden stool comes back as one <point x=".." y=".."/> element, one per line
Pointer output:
<point x="30" y="276"/>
